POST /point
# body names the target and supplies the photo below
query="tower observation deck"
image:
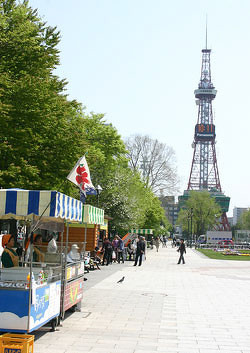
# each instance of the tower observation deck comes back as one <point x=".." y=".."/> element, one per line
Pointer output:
<point x="204" y="174"/>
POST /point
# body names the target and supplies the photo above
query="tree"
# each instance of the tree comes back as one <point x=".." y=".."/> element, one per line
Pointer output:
<point x="155" y="214"/>
<point x="43" y="133"/>
<point x="39" y="127"/>
<point x="155" y="161"/>
<point x="124" y="197"/>
<point x="244" y="222"/>
<point x="106" y="150"/>
<point x="205" y="212"/>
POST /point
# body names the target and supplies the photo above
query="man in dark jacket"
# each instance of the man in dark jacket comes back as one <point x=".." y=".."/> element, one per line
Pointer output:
<point x="182" y="250"/>
<point x="140" y="250"/>
<point x="107" y="248"/>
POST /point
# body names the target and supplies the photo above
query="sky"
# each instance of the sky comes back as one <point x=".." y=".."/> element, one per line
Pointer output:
<point x="139" y="62"/>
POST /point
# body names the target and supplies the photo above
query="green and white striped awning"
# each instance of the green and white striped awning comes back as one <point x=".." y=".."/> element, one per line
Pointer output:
<point x="92" y="215"/>
<point x="141" y="231"/>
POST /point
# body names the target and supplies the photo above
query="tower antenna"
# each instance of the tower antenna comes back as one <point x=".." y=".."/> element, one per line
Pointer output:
<point x="206" y="31"/>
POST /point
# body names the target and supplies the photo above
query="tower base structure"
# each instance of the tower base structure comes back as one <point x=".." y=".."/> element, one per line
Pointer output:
<point x="224" y="224"/>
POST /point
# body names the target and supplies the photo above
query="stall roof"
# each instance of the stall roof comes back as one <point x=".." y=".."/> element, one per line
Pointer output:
<point x="23" y="204"/>
<point x="93" y="215"/>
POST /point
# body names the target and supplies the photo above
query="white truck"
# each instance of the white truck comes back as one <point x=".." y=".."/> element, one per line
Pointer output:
<point x="214" y="236"/>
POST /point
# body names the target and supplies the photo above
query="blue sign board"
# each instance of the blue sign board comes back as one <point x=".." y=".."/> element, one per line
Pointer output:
<point x="14" y="307"/>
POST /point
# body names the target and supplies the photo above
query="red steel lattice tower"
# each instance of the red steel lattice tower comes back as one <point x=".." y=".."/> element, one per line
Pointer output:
<point x="204" y="173"/>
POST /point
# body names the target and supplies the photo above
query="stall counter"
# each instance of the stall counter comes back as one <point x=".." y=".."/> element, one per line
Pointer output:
<point x="24" y="310"/>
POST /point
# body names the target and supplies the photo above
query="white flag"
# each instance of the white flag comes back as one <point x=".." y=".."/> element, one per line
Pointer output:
<point x="80" y="175"/>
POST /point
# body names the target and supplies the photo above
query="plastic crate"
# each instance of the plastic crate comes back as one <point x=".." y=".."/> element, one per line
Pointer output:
<point x="16" y="343"/>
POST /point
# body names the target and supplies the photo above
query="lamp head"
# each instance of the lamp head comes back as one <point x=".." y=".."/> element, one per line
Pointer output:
<point x="99" y="188"/>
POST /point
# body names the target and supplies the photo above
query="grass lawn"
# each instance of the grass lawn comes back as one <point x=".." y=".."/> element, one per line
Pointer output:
<point x="218" y="256"/>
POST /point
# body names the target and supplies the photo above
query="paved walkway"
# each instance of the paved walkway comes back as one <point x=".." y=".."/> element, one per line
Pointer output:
<point x="200" y="307"/>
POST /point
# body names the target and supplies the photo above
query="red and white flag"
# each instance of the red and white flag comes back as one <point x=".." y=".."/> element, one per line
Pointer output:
<point x="80" y="175"/>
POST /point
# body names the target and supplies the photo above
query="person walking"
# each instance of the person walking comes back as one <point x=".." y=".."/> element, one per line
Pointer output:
<point x="157" y="243"/>
<point x="151" y="243"/>
<point x="145" y="242"/>
<point x="134" y="245"/>
<point x="174" y="242"/>
<point x="140" y="250"/>
<point x="115" y="245"/>
<point x="120" y="250"/>
<point x="181" y="250"/>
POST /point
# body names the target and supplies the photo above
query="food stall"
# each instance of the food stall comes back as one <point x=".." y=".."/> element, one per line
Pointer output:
<point x="72" y="276"/>
<point x="76" y="233"/>
<point x="30" y="295"/>
<point x="87" y="231"/>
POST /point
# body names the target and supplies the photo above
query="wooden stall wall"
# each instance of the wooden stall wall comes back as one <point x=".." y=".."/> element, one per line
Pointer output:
<point x="77" y="235"/>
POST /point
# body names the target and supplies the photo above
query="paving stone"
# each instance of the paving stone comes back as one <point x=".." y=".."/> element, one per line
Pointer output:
<point x="79" y="349"/>
<point x="159" y="307"/>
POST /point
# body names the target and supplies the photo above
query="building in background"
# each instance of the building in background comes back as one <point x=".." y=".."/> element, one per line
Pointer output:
<point x="237" y="212"/>
<point x="171" y="208"/>
<point x="230" y="221"/>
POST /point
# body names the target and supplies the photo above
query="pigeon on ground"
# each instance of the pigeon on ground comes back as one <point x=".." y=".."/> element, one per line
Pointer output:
<point x="121" y="280"/>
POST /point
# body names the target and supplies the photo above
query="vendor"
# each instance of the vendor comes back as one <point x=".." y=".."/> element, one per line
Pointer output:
<point x="38" y="255"/>
<point x="52" y="245"/>
<point x="9" y="257"/>
<point x="73" y="255"/>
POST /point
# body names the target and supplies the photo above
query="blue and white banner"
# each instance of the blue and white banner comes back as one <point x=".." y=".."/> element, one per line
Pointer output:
<point x="51" y="204"/>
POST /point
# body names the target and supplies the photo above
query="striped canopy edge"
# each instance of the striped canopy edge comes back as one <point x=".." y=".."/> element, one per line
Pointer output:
<point x="25" y="204"/>
<point x="93" y="215"/>
<point x="141" y="231"/>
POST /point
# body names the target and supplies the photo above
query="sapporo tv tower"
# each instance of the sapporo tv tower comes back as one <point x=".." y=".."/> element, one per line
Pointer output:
<point x="204" y="173"/>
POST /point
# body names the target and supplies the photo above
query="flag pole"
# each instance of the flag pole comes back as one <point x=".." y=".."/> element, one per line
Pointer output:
<point x="37" y="223"/>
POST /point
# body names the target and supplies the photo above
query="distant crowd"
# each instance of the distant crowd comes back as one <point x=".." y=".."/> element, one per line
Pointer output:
<point x="116" y="251"/>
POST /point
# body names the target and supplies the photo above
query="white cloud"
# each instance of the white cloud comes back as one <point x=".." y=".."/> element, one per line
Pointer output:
<point x="13" y="322"/>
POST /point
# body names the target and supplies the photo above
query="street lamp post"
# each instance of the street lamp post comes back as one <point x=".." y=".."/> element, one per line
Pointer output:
<point x="98" y="191"/>
<point x="191" y="216"/>
<point x="189" y="229"/>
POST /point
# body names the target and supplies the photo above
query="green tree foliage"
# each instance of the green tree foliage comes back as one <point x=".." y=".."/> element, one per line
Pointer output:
<point x="38" y="123"/>
<point x="106" y="150"/>
<point x="43" y="133"/>
<point x="125" y="197"/>
<point x="205" y="212"/>
<point x="155" y="215"/>
<point x="122" y="199"/>
<point x="244" y="222"/>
